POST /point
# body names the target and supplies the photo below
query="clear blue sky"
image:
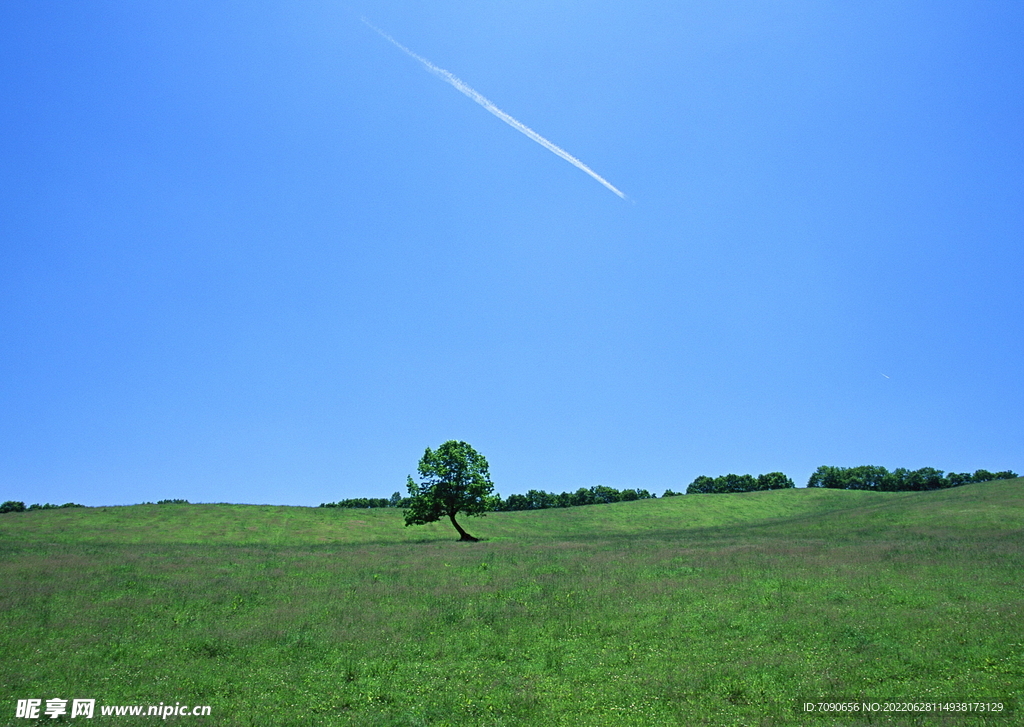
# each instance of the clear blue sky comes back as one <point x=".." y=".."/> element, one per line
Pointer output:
<point x="252" y="252"/>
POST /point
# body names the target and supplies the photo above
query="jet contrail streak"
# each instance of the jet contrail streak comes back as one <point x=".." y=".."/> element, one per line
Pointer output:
<point x="514" y="123"/>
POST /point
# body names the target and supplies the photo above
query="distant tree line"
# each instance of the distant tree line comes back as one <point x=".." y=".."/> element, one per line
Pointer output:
<point x="738" y="483"/>
<point x="396" y="500"/>
<point x="843" y="478"/>
<point x="532" y="500"/>
<point x="879" y="479"/>
<point x="13" y="506"/>
<point x="597" y="495"/>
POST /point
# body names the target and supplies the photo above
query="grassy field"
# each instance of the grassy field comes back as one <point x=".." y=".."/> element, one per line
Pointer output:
<point x="697" y="610"/>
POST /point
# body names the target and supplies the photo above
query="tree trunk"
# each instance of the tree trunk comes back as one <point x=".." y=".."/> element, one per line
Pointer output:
<point x="465" y="536"/>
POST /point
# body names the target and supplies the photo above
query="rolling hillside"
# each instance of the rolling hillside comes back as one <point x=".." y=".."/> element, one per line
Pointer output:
<point x="991" y="504"/>
<point x="703" y="609"/>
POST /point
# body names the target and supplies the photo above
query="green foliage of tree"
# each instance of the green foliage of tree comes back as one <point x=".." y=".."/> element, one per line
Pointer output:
<point x="774" y="481"/>
<point x="705" y="485"/>
<point x="604" y="494"/>
<point x="539" y="499"/>
<point x="515" y="502"/>
<point x="396" y="500"/>
<point x="597" y="495"/>
<point x="360" y="502"/>
<point x="893" y="482"/>
<point x="454" y="479"/>
<point x="926" y="478"/>
<point x="867" y="477"/>
<point x="582" y="496"/>
<point x="702" y="485"/>
<point x="879" y="479"/>
<point x="825" y="476"/>
<point x="956" y="479"/>
<point x="12" y="506"/>
<point x="736" y="483"/>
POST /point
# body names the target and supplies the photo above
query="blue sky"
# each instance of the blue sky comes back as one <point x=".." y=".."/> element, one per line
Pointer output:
<point x="252" y="252"/>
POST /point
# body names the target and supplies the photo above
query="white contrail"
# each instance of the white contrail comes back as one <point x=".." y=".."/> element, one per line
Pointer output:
<point x="514" y="123"/>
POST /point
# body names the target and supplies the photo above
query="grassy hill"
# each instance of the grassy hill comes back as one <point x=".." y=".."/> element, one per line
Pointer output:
<point x="704" y="609"/>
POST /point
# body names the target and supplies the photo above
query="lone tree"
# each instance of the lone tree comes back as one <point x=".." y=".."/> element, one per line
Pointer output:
<point x="454" y="479"/>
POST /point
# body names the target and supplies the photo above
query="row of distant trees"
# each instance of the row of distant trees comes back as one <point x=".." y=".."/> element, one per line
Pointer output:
<point x="842" y="478"/>
<point x="17" y="506"/>
<point x="739" y="483"/>
<point x="396" y="500"/>
<point x="879" y="479"/>
<point x="867" y="477"/>
<point x="541" y="500"/>
<point x="14" y="506"/>
<point x="532" y="500"/>
<point x="454" y="479"/>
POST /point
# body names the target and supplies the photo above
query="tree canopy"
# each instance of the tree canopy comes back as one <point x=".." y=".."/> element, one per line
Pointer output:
<point x="872" y="477"/>
<point x="453" y="479"/>
<point x="739" y="483"/>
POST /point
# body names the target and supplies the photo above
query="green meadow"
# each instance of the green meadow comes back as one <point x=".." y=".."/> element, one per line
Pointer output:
<point x="730" y="609"/>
